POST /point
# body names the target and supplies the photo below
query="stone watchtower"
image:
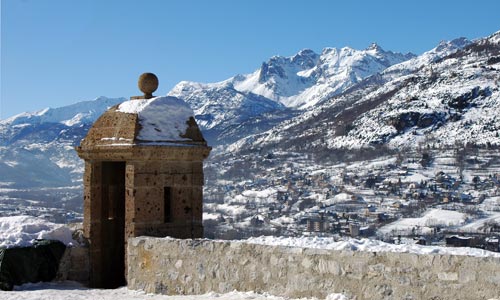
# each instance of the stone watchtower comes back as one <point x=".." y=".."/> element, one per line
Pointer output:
<point x="143" y="176"/>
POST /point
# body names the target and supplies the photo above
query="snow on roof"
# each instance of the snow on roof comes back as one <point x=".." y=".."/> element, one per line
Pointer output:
<point x="342" y="198"/>
<point x="367" y="245"/>
<point x="461" y="237"/>
<point x="21" y="231"/>
<point x="161" y="118"/>
<point x="415" y="178"/>
<point x="266" y="193"/>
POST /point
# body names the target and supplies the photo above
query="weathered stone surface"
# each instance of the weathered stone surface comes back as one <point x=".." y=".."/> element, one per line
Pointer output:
<point x="148" y="83"/>
<point x="74" y="265"/>
<point x="172" y="266"/>
<point x="134" y="187"/>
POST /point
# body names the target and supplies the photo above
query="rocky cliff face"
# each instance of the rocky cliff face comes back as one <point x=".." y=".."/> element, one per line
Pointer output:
<point x="252" y="103"/>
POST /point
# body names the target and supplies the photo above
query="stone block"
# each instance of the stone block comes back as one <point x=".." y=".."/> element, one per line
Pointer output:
<point x="149" y="180"/>
<point x="329" y="267"/>
<point x="448" y="276"/>
<point x="198" y="179"/>
<point x="467" y="275"/>
<point x="148" y="205"/>
<point x="494" y="279"/>
<point x="147" y="167"/>
<point x="307" y="262"/>
<point x="168" y="180"/>
<point x="182" y="179"/>
<point x="197" y="167"/>
<point x="181" y="167"/>
<point x="129" y="180"/>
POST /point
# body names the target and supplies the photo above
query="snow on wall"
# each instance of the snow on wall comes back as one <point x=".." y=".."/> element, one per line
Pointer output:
<point x="366" y="245"/>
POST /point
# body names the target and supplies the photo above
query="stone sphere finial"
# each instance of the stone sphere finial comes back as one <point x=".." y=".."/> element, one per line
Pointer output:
<point x="148" y="83"/>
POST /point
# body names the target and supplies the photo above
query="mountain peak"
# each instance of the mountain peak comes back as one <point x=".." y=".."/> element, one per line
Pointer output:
<point x="327" y="50"/>
<point x="101" y="98"/>
<point x="301" y="80"/>
<point x="454" y="44"/>
<point x="305" y="59"/>
<point x="375" y="46"/>
<point x="460" y="42"/>
<point x="84" y="111"/>
<point x="495" y="37"/>
<point x="305" y="52"/>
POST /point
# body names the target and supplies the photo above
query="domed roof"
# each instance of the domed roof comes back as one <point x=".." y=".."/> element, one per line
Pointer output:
<point x="156" y="121"/>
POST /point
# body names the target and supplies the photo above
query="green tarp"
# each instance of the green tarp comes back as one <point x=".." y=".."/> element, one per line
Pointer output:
<point x="30" y="264"/>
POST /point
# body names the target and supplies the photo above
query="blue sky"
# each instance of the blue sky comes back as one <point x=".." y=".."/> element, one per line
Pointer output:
<point x="58" y="52"/>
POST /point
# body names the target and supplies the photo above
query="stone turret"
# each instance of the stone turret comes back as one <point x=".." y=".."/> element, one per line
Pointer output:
<point x="143" y="176"/>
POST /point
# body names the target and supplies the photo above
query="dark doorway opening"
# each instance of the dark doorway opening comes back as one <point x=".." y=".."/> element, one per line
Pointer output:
<point x="167" y="204"/>
<point x="113" y="225"/>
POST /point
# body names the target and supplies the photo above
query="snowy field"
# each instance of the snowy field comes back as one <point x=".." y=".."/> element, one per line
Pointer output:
<point x="75" y="291"/>
<point x="431" y="218"/>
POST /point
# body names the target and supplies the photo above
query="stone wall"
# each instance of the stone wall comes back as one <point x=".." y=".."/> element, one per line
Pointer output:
<point x="74" y="265"/>
<point x="172" y="266"/>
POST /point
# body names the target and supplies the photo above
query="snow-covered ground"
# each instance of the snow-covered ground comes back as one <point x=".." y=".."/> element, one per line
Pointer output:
<point x="75" y="291"/>
<point x="20" y="231"/>
<point x="432" y="218"/>
<point x="480" y="224"/>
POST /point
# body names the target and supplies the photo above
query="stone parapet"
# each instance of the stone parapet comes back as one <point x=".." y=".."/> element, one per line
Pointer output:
<point x="173" y="266"/>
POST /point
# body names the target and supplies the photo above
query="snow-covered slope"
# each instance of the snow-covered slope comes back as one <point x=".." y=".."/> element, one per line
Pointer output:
<point x="78" y="113"/>
<point x="447" y="101"/>
<point x="306" y="78"/>
<point x="280" y="86"/>
<point x="444" y="49"/>
<point x="36" y="149"/>
<point x="454" y="101"/>
<point x="21" y="231"/>
<point x="220" y="108"/>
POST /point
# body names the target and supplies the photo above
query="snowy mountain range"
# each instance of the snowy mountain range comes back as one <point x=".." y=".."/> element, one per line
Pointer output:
<point x="36" y="149"/>
<point x="230" y="109"/>
<point x="339" y="98"/>
<point x="447" y="97"/>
